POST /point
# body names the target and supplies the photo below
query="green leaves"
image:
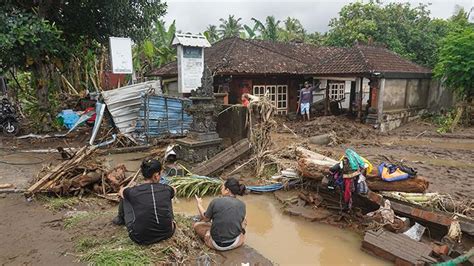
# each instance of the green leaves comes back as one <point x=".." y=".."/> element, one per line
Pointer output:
<point x="188" y="186"/>
<point x="405" y="29"/>
<point x="455" y="67"/>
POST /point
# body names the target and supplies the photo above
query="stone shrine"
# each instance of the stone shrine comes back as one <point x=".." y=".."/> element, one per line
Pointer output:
<point x="202" y="141"/>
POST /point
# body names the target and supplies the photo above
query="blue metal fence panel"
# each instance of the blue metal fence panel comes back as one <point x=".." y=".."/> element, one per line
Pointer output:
<point x="162" y="115"/>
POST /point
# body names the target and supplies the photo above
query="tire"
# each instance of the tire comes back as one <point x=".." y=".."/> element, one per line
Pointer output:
<point x="11" y="128"/>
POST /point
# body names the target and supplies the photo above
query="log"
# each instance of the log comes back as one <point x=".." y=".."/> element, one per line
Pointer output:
<point x="416" y="185"/>
<point x="313" y="165"/>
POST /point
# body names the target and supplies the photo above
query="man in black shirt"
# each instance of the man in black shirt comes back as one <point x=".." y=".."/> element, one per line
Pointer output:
<point x="146" y="210"/>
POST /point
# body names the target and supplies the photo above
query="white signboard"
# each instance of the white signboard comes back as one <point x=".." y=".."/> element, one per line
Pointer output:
<point x="121" y="55"/>
<point x="190" y="67"/>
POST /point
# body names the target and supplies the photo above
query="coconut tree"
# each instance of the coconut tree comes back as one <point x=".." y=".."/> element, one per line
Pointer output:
<point x="212" y="34"/>
<point x="230" y="27"/>
<point x="269" y="30"/>
<point x="251" y="31"/>
<point x="292" y="30"/>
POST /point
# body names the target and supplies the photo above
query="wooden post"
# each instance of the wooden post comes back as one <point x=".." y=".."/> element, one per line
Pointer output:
<point x="326" y="102"/>
<point x="359" y="113"/>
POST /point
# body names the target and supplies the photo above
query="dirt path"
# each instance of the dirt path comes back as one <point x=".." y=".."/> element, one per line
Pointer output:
<point x="29" y="236"/>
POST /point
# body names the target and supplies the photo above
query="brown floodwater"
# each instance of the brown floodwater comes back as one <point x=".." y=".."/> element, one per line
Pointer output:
<point x="289" y="240"/>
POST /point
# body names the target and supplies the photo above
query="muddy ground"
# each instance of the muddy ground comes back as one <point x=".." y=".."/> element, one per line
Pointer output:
<point x="34" y="235"/>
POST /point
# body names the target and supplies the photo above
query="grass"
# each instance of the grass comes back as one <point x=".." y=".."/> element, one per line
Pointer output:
<point x="58" y="203"/>
<point x="116" y="248"/>
<point x="74" y="220"/>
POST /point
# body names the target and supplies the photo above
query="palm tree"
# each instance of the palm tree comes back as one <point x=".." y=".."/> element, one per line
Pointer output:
<point x="292" y="30"/>
<point x="251" y="31"/>
<point x="269" y="30"/>
<point x="212" y="33"/>
<point x="230" y="27"/>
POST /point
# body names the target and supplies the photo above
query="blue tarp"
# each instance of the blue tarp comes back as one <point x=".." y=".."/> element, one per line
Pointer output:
<point x="163" y="115"/>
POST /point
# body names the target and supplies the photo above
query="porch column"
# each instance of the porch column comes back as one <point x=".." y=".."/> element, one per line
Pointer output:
<point x="359" y="113"/>
<point x="380" y="101"/>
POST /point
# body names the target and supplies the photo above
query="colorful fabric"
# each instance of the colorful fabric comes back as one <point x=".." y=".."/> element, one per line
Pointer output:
<point x="356" y="162"/>
<point x="348" y="192"/>
<point x="391" y="173"/>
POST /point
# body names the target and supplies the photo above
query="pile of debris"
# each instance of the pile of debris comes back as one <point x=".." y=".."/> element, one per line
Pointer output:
<point x="340" y="128"/>
<point x="83" y="172"/>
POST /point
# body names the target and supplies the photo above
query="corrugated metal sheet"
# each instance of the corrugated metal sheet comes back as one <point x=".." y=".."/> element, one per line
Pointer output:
<point x="191" y="40"/>
<point x="162" y="115"/>
<point x="124" y="103"/>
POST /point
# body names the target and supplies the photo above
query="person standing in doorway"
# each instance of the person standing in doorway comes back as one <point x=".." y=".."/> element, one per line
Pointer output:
<point x="306" y="99"/>
<point x="222" y="225"/>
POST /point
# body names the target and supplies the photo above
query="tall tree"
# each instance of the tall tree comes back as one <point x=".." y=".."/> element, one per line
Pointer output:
<point x="455" y="66"/>
<point x="405" y="29"/>
<point x="292" y="30"/>
<point x="212" y="34"/>
<point x="455" y="69"/>
<point x="230" y="27"/>
<point x="43" y="35"/>
<point x="269" y="30"/>
<point x="251" y="32"/>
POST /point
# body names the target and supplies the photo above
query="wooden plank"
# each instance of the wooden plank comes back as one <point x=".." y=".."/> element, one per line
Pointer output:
<point x="398" y="248"/>
<point x="222" y="159"/>
<point x="423" y="214"/>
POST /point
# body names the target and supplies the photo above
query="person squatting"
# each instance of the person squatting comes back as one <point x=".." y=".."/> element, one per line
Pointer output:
<point x="146" y="210"/>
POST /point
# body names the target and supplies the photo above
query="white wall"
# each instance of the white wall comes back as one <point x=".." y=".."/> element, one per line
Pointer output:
<point x="320" y="95"/>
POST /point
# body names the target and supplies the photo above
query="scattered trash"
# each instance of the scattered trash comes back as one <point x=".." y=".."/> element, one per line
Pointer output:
<point x="415" y="232"/>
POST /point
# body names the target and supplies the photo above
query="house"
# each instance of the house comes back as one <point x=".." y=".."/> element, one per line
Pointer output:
<point x="393" y="89"/>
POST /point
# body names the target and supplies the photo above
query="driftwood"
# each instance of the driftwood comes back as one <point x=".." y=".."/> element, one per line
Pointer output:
<point x="417" y="185"/>
<point x="82" y="172"/>
<point x="313" y="165"/>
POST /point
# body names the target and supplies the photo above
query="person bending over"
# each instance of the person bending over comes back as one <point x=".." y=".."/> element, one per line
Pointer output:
<point x="146" y="209"/>
<point x="227" y="214"/>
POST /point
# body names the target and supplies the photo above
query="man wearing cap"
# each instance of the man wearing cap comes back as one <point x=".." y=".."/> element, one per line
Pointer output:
<point x="146" y="210"/>
<point x="306" y="98"/>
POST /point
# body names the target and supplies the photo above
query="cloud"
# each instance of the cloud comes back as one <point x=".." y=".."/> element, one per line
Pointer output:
<point x="195" y="16"/>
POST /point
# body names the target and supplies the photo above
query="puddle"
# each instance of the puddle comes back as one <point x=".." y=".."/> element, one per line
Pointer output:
<point x="291" y="240"/>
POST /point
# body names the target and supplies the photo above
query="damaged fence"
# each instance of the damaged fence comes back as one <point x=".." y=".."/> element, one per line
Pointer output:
<point x="163" y="116"/>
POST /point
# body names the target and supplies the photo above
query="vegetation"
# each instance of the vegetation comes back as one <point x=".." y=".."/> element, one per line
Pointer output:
<point x="46" y="39"/>
<point x="114" y="247"/>
<point x="455" y="69"/>
<point x="58" y="203"/>
<point x="188" y="186"/>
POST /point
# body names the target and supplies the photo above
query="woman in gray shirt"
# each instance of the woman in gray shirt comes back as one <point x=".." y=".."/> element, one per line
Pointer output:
<point x="223" y="223"/>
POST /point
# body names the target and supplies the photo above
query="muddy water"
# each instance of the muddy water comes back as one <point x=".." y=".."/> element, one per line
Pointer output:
<point x="290" y="240"/>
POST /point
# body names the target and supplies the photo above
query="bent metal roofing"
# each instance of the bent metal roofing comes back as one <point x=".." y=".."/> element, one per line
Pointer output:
<point x="240" y="56"/>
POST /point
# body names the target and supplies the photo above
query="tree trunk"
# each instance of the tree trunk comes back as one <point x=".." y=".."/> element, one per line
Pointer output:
<point x="42" y="76"/>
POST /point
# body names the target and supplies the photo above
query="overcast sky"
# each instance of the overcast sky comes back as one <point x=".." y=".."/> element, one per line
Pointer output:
<point x="195" y="15"/>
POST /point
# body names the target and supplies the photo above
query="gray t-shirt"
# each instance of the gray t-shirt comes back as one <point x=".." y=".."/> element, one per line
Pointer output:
<point x="227" y="215"/>
<point x="306" y="95"/>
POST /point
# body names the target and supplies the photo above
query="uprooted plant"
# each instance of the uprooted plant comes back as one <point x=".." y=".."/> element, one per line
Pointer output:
<point x="261" y="123"/>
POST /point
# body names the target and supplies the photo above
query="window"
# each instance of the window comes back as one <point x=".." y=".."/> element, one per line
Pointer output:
<point x="278" y="94"/>
<point x="336" y="91"/>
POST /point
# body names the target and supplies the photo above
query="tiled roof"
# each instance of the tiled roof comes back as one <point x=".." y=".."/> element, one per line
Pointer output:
<point x="239" y="56"/>
<point x="361" y="59"/>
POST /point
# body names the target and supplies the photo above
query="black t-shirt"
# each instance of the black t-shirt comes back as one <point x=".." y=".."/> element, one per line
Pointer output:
<point x="152" y="211"/>
<point x="227" y="215"/>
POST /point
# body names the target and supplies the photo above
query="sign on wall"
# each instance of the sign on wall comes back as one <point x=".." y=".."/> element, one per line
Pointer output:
<point x="190" y="49"/>
<point x="191" y="67"/>
<point x="121" y="55"/>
